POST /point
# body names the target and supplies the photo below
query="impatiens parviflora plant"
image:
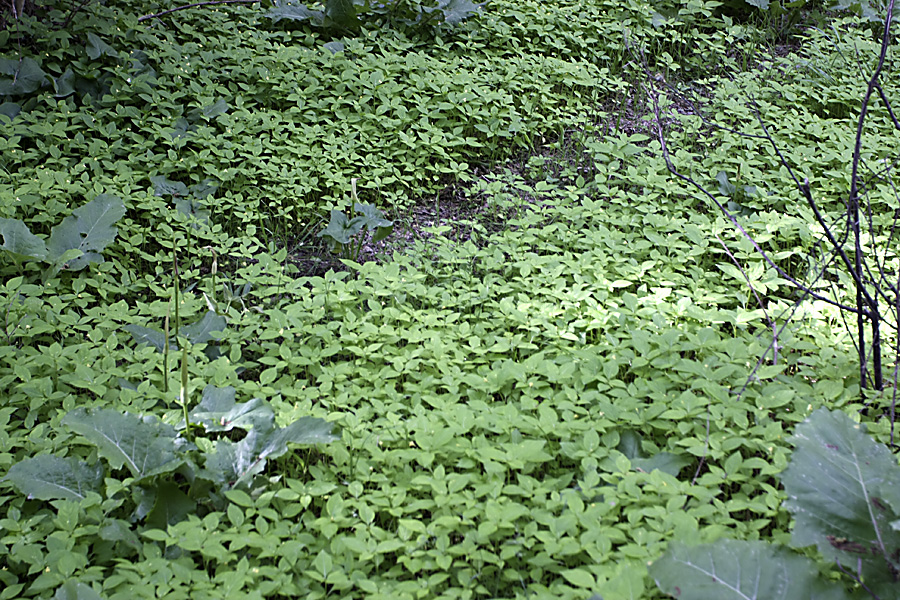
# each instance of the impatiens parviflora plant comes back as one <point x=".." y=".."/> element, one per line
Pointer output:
<point x="844" y="491"/>
<point x="168" y="477"/>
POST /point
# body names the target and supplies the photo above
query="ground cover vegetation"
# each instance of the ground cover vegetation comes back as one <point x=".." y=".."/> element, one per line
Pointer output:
<point x="532" y="398"/>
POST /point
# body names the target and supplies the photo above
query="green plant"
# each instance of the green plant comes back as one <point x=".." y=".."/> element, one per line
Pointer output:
<point x="341" y="16"/>
<point x="344" y="232"/>
<point x="73" y="244"/>
<point x="167" y="476"/>
<point x="844" y="491"/>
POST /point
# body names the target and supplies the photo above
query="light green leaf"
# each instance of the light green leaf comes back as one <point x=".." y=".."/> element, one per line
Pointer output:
<point x="740" y="570"/>
<point x="456" y="11"/>
<point x="89" y="229"/>
<point x="20" y="242"/>
<point x="833" y="484"/>
<point x="144" y="445"/>
<point x="48" y="477"/>
<point x="579" y="578"/>
<point x="341" y="228"/>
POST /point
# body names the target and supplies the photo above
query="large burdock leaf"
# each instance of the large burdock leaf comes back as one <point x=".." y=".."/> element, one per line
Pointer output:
<point x="235" y="464"/>
<point x="295" y="10"/>
<point x="342" y="228"/>
<point x="205" y="329"/>
<point x="48" y="477"/>
<point x="456" y="11"/>
<point x="834" y="485"/>
<point x="738" y="570"/>
<point x="89" y="229"/>
<point x="217" y="411"/>
<point x="20" y="242"/>
<point x="144" y="445"/>
<point x="21" y="76"/>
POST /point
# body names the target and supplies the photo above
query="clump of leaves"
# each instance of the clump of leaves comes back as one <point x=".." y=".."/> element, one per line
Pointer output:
<point x="74" y="243"/>
<point x="844" y="491"/>
<point x="169" y="477"/>
<point x="339" y="16"/>
<point x="344" y="232"/>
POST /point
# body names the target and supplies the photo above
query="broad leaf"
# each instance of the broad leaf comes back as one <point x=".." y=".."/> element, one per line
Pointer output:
<point x="153" y="337"/>
<point x="341" y="228"/>
<point x="740" y="570"/>
<point x="760" y="4"/>
<point x="664" y="461"/>
<point x="164" y="187"/>
<point x="20" y="242"/>
<point x="235" y="464"/>
<point x="75" y="590"/>
<point x="64" y="85"/>
<point x="89" y="229"/>
<point x="191" y="207"/>
<point x="144" y="445"/>
<point x="456" y="11"/>
<point x="22" y="76"/>
<point x="10" y="109"/>
<point x="833" y="484"/>
<point x="205" y="329"/>
<point x="334" y="47"/>
<point x="97" y="48"/>
<point x="48" y="477"/>
<point x="219" y="107"/>
<point x="342" y="13"/>
<point x="295" y="10"/>
<point x="172" y="505"/>
<point x="217" y="411"/>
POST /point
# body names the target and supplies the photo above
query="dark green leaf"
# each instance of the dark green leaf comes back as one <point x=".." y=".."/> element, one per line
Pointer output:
<point x="295" y="10"/>
<point x="144" y="335"/>
<point x="172" y="505"/>
<point x="664" y="461"/>
<point x="164" y="187"/>
<point x="205" y="329"/>
<point x="341" y="228"/>
<point x="740" y="570"/>
<point x="47" y="477"/>
<point x="833" y="484"/>
<point x="10" y="109"/>
<point x="726" y="188"/>
<point x="342" y="13"/>
<point x="22" y="76"/>
<point x="334" y="47"/>
<point x="19" y="241"/>
<point x="97" y="48"/>
<point x="144" y="445"/>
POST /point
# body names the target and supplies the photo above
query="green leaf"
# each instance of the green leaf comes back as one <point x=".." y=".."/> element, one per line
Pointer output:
<point x="456" y="11"/>
<point x="664" y="461"/>
<point x="579" y="578"/>
<point x="760" y="4"/>
<point x="144" y="445"/>
<point x="341" y="13"/>
<point x="164" y="187"/>
<point x="833" y="484"/>
<point x="145" y="335"/>
<point x="20" y="242"/>
<point x="89" y="229"/>
<point x="48" y="477"/>
<point x="726" y="188"/>
<point x="235" y="464"/>
<point x="97" y="48"/>
<point x="295" y="10"/>
<point x="334" y="47"/>
<point x="628" y="584"/>
<point x="205" y="329"/>
<point x="341" y="228"/>
<point x="22" y="76"/>
<point x="172" y="505"/>
<point x="740" y="570"/>
<point x="75" y="590"/>
<point x="64" y="85"/>
<point x="217" y="411"/>
<point x="10" y="109"/>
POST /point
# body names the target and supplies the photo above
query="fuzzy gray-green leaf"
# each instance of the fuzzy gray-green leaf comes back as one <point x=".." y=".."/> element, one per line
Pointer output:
<point x="48" y="477"/>
<point x="20" y="242"/>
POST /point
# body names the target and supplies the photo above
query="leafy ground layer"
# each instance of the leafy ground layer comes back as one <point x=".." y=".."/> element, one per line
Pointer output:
<point x="532" y="400"/>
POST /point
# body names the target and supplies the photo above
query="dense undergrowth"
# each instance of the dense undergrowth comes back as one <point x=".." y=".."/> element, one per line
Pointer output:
<point x="532" y="402"/>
